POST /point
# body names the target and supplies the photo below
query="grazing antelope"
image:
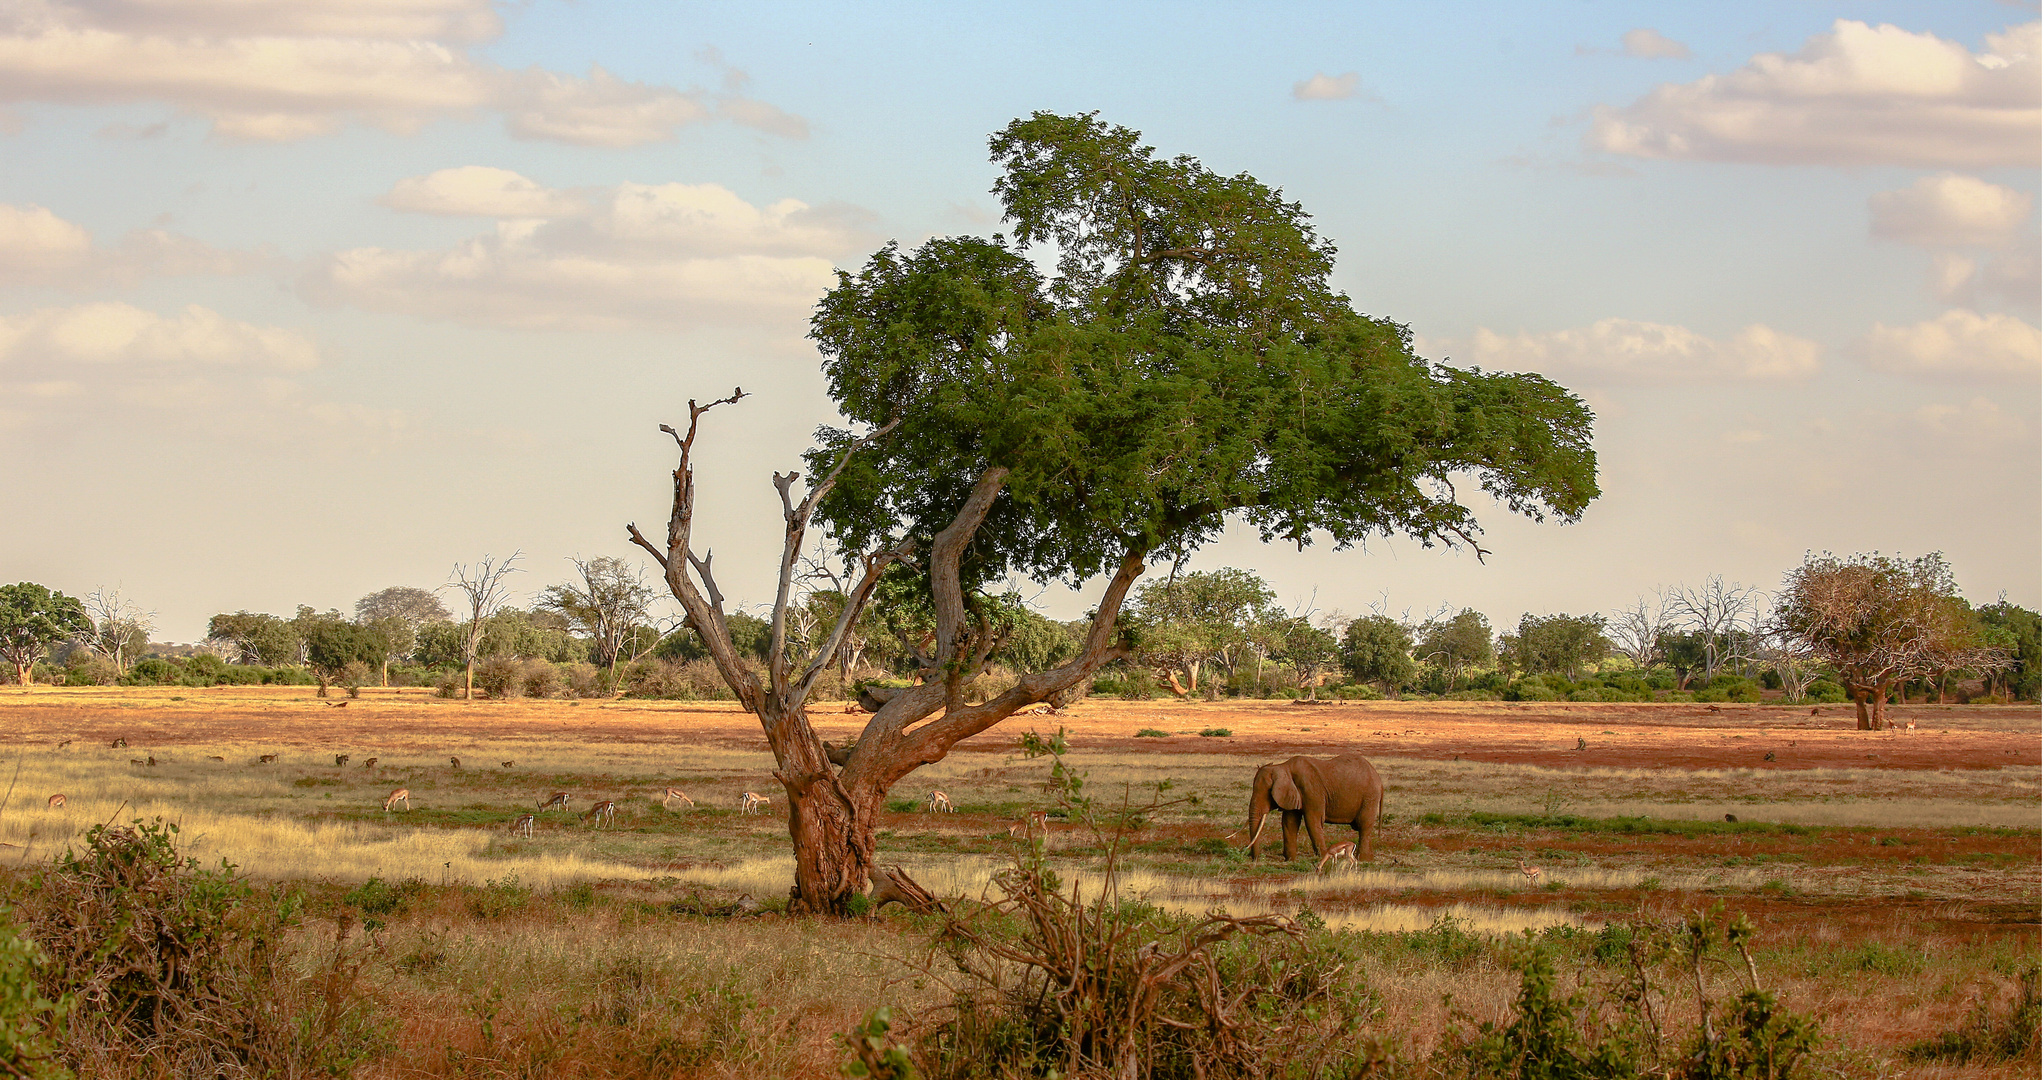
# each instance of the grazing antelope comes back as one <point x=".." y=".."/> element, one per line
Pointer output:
<point x="523" y="826"/>
<point x="507" y="764"/>
<point x="1338" y="853"/>
<point x="940" y="803"/>
<point x="557" y="801"/>
<point x="401" y="795"/>
<point x="340" y="760"/>
<point x="603" y="813"/>
<point x="1909" y="725"/>
<point x="118" y="744"/>
<point x="370" y="764"/>
<point x="57" y="800"/>
<point x="335" y="704"/>
<point x="753" y="803"/>
<point x="136" y="761"/>
<point x="1532" y="872"/>
<point x="152" y="761"/>
<point x="63" y="745"/>
<point x="215" y="757"/>
<point x="454" y="761"/>
<point x="266" y="759"/>
<point x="1037" y="821"/>
<point x="667" y="800"/>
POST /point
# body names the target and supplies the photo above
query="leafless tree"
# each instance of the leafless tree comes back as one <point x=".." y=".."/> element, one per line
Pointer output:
<point x="1786" y="653"/>
<point x="832" y="813"/>
<point x="120" y="627"/>
<point x="1636" y="631"/>
<point x="1721" y="613"/>
<point x="483" y="586"/>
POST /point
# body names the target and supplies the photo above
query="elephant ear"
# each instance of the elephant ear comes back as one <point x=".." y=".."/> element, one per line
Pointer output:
<point x="1285" y="793"/>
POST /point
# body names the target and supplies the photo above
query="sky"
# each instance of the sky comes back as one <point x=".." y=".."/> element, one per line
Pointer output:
<point x="300" y="299"/>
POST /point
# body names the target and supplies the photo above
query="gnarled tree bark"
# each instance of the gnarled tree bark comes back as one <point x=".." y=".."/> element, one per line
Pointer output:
<point x="835" y="794"/>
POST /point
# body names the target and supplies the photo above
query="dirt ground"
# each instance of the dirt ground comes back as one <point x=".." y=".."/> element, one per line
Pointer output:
<point x="1602" y="735"/>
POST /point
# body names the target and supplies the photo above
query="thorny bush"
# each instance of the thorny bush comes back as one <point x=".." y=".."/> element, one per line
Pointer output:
<point x="177" y="970"/>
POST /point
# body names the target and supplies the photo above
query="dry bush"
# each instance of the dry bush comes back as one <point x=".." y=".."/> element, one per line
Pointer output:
<point x="992" y="682"/>
<point x="540" y="679"/>
<point x="585" y="680"/>
<point x="181" y="971"/>
<point x="501" y="677"/>
<point x="696" y="680"/>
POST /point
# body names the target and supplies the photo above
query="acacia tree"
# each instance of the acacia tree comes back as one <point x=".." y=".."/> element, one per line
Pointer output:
<point x="32" y="618"/>
<point x="610" y="606"/>
<point x="1878" y="620"/>
<point x="1186" y="363"/>
<point x="256" y="638"/>
<point x="1209" y="614"/>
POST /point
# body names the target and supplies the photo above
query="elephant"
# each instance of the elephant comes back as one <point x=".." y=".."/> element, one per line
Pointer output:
<point x="1343" y="790"/>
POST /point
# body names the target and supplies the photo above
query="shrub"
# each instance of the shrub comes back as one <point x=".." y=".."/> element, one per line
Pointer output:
<point x="354" y="676"/>
<point x="1826" y="692"/>
<point x="1987" y="1036"/>
<point x="500" y="677"/>
<point x="448" y="685"/>
<point x="540" y="678"/>
<point x="1152" y="733"/>
<point x="1215" y="733"/>
<point x="1531" y="688"/>
<point x="28" y="1020"/>
<point x="183" y="971"/>
<point x="1358" y="692"/>
<point x="496" y="898"/>
<point x="586" y="680"/>
<point x="86" y="668"/>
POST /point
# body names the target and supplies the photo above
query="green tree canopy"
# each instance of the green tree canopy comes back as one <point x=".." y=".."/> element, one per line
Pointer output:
<point x="1377" y="649"/>
<point x="32" y="618"/>
<point x="1561" y="644"/>
<point x="256" y="638"/>
<point x="1457" y="643"/>
<point x="2014" y="633"/>
<point x="1188" y="362"/>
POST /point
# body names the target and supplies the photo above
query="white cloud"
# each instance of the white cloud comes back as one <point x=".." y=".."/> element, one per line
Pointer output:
<point x="1949" y="210"/>
<point x="459" y="20"/>
<point x="1978" y="423"/>
<point x="122" y="335"/>
<point x="1856" y="95"/>
<point x="2007" y="278"/>
<point x="481" y="191"/>
<point x="38" y="248"/>
<point x="1648" y="44"/>
<point x="1957" y="344"/>
<point x="1327" y="87"/>
<point x="635" y="255"/>
<point x="270" y="70"/>
<point x="1623" y="350"/>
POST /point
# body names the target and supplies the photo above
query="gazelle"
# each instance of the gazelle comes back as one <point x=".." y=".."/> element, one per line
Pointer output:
<point x="266" y="759"/>
<point x="507" y="764"/>
<point x="603" y="813"/>
<point x="370" y="764"/>
<point x="401" y="795"/>
<point x="215" y="757"/>
<point x="57" y="801"/>
<point x="1532" y="872"/>
<point x="1338" y="853"/>
<point x="940" y="803"/>
<point x="118" y="744"/>
<point x="454" y="761"/>
<point x="1037" y="821"/>
<point x="753" y="803"/>
<point x="523" y="826"/>
<point x="340" y="760"/>
<point x="557" y="801"/>
<point x="668" y="799"/>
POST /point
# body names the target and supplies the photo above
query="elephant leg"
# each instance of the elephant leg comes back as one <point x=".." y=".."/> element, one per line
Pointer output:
<point x="1292" y="818"/>
<point x="1366" y="826"/>
<point x="1316" y="832"/>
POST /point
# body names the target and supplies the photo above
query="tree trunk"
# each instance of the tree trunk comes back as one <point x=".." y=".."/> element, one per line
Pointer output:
<point x="468" y="680"/>
<point x="1192" y="677"/>
<point x="21" y="671"/>
<point x="834" y="845"/>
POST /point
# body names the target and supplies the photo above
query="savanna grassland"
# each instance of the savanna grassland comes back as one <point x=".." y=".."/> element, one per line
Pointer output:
<point x="1892" y="877"/>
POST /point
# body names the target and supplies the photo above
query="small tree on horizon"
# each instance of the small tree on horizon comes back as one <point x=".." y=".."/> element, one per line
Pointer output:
<point x="482" y="585"/>
<point x="1187" y="365"/>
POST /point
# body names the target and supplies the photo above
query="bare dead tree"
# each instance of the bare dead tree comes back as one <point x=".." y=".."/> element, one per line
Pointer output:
<point x="120" y="627"/>
<point x="482" y="584"/>
<point x="1636" y="631"/>
<point x="1720" y="612"/>
<point x="831" y="813"/>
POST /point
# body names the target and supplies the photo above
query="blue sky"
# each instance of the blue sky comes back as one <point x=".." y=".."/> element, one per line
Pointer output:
<point x="303" y="298"/>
